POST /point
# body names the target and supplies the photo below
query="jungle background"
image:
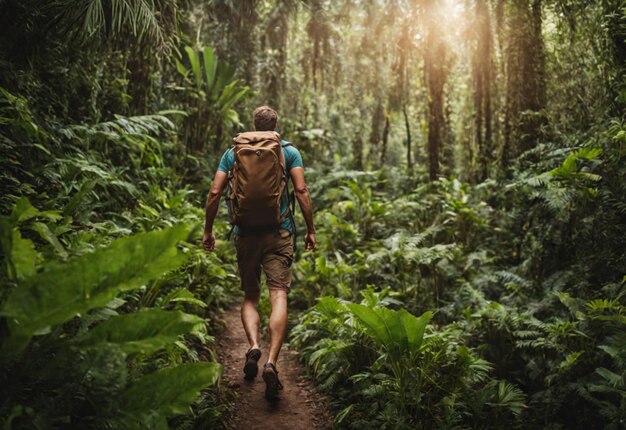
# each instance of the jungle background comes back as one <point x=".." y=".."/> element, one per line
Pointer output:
<point x="466" y="163"/>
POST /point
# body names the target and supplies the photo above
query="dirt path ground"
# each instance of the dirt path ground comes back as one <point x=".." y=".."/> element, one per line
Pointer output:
<point x="299" y="406"/>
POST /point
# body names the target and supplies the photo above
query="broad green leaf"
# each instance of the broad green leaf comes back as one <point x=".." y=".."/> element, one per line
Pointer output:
<point x="414" y="328"/>
<point x="182" y="69"/>
<point x="210" y="66"/>
<point x="231" y="116"/>
<point x="63" y="291"/>
<point x="395" y="328"/>
<point x="373" y="323"/>
<point x="22" y="211"/>
<point x="234" y="99"/>
<point x="397" y="331"/>
<point x="195" y="65"/>
<point x="169" y="391"/>
<point x="144" y="331"/>
<point x="225" y="75"/>
<point x="229" y="92"/>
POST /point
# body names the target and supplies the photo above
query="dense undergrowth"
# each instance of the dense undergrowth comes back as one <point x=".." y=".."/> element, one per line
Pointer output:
<point x="107" y="295"/>
<point x="529" y="320"/>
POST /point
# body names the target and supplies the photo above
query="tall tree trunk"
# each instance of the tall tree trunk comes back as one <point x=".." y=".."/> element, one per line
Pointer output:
<point x="482" y="65"/>
<point x="435" y="74"/>
<point x="435" y="77"/>
<point x="525" y="78"/>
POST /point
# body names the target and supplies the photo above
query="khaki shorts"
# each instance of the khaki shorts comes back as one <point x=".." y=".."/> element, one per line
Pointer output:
<point x="272" y="252"/>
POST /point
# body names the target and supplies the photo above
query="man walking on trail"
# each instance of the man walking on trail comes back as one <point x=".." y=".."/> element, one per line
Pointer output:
<point x="257" y="169"/>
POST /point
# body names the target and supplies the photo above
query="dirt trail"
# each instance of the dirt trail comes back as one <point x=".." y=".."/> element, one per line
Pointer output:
<point x="299" y="405"/>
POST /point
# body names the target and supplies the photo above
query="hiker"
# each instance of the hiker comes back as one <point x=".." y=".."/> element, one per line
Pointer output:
<point x="257" y="169"/>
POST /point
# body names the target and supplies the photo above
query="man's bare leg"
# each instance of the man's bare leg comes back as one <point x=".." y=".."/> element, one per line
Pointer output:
<point x="250" y="317"/>
<point x="278" y="323"/>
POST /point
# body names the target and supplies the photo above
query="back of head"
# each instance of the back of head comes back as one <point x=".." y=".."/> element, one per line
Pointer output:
<point x="265" y="118"/>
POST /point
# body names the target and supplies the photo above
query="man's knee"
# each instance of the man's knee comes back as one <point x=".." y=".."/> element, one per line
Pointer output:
<point x="278" y="295"/>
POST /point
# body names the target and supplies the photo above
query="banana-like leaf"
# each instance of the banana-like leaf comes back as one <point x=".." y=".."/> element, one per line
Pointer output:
<point x="225" y="75"/>
<point x="210" y="66"/>
<point x="374" y="324"/>
<point x="169" y="391"/>
<point x="234" y="99"/>
<point x="144" y="331"/>
<point x="63" y="291"/>
<point x="194" y="59"/>
<point x="231" y="117"/>
<point x="414" y="328"/>
<point x="394" y="330"/>
<point x="228" y="93"/>
<point x="182" y="69"/>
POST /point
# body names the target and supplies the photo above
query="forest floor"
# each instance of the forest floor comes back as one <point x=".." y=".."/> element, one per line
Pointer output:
<point x="299" y="406"/>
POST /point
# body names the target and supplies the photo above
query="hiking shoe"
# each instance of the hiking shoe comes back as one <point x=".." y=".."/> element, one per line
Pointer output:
<point x="272" y="384"/>
<point x="251" y="368"/>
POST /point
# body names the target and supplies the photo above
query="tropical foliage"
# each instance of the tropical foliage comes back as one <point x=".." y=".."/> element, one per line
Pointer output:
<point x="466" y="163"/>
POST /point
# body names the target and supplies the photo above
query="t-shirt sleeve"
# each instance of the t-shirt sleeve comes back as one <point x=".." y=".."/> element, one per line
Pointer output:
<point x="227" y="162"/>
<point x="293" y="158"/>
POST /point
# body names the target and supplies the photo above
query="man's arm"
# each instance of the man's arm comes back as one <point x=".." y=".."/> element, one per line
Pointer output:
<point x="212" y="206"/>
<point x="304" y="200"/>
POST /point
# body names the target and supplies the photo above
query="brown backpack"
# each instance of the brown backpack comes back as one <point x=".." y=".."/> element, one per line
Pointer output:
<point x="257" y="181"/>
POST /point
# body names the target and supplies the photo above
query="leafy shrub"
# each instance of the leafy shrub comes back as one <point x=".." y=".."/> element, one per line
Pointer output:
<point x="395" y="372"/>
<point x="59" y="368"/>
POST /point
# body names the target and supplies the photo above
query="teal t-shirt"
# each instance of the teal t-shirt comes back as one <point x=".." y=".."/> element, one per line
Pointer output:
<point x="292" y="159"/>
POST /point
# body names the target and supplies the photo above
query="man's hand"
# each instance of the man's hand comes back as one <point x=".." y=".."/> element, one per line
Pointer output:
<point x="208" y="241"/>
<point x="309" y="242"/>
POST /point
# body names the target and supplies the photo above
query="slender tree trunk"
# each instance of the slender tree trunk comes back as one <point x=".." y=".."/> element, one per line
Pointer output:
<point x="357" y="148"/>
<point x="278" y="27"/>
<point x="383" y="151"/>
<point x="407" y="125"/>
<point x="615" y="17"/>
<point x="378" y="119"/>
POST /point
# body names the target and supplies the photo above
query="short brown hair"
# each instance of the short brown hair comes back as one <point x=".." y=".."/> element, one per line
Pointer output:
<point x="265" y="118"/>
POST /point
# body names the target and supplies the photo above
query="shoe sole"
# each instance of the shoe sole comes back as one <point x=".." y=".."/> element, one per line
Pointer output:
<point x="271" y="385"/>
<point x="251" y="369"/>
